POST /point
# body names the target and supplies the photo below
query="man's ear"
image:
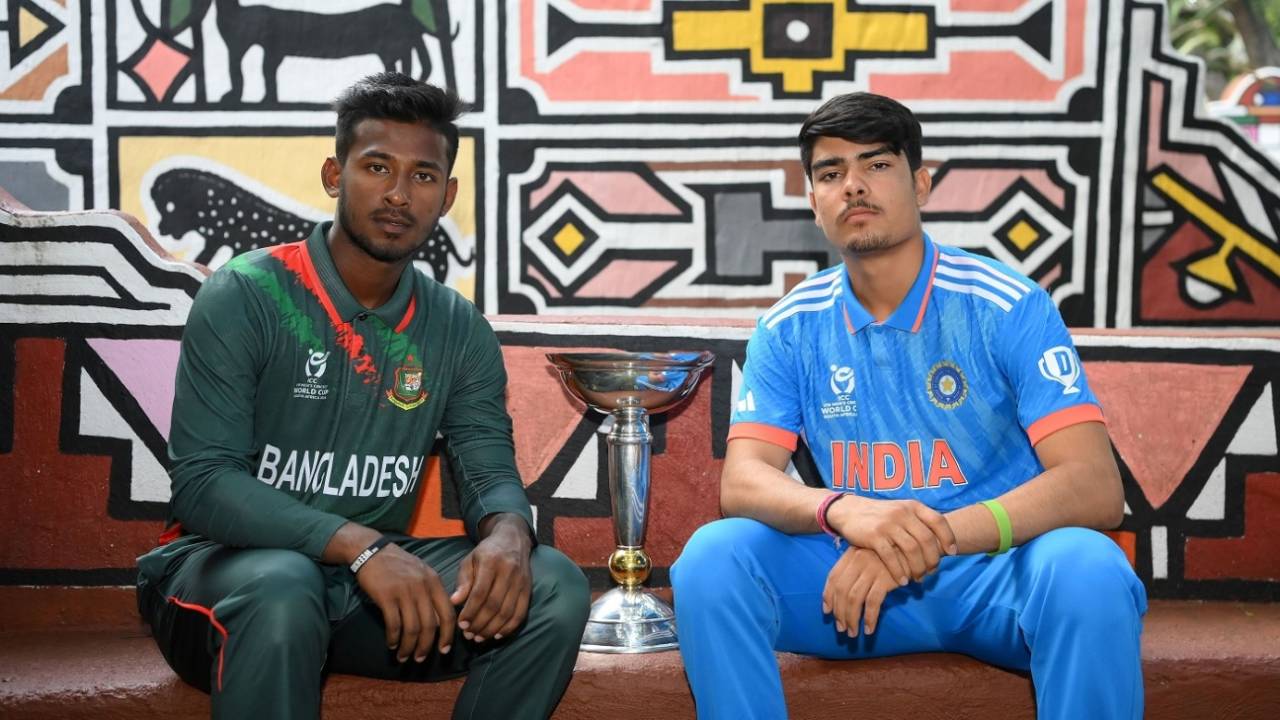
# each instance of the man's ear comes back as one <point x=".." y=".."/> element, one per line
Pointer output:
<point x="450" y="194"/>
<point x="924" y="185"/>
<point x="813" y="205"/>
<point x="329" y="173"/>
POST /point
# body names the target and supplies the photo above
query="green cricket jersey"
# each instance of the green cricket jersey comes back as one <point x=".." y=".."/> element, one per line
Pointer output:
<point x="297" y="409"/>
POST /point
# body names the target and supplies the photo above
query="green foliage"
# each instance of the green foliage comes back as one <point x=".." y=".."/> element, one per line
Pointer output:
<point x="1271" y="11"/>
<point x="1206" y="29"/>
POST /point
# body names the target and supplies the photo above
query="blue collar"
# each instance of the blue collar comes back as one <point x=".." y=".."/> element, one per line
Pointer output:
<point x="910" y="313"/>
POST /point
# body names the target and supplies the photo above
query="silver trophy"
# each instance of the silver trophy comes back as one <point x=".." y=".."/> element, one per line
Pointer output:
<point x="629" y="618"/>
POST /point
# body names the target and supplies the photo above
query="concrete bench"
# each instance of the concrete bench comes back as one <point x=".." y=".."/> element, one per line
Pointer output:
<point x="72" y="653"/>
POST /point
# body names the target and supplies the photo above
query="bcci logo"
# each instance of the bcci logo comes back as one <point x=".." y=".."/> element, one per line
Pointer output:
<point x="407" y="393"/>
<point x="946" y="385"/>
<point x="1059" y="364"/>
<point x="841" y="380"/>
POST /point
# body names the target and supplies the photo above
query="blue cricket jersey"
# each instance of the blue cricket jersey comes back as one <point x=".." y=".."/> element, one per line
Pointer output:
<point x="942" y="402"/>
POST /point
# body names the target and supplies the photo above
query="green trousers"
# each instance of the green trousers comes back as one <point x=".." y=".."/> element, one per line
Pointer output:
<point x="258" y="629"/>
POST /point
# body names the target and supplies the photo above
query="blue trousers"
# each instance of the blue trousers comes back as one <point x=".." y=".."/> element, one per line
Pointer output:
<point x="1065" y="606"/>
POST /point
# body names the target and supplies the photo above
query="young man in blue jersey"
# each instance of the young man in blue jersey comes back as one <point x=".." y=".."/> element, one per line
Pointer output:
<point x="963" y="453"/>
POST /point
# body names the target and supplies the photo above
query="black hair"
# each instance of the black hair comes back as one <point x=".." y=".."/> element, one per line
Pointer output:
<point x="396" y="96"/>
<point x="863" y="118"/>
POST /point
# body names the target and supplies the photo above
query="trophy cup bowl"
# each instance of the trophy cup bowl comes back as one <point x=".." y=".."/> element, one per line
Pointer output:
<point x="629" y="618"/>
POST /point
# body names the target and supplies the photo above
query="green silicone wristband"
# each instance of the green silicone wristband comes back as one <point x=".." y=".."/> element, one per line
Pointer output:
<point x="1002" y="524"/>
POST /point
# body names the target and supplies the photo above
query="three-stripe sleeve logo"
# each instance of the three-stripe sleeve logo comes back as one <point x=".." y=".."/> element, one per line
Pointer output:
<point x="963" y="274"/>
<point x="817" y="293"/>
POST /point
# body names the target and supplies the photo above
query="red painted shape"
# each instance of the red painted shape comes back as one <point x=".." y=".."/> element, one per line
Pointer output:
<point x="1253" y="556"/>
<point x="544" y="414"/>
<point x="428" y="519"/>
<point x="55" y="504"/>
<point x="1128" y="542"/>
<point x="1161" y="423"/>
<point x="684" y="492"/>
<point x="1160" y="298"/>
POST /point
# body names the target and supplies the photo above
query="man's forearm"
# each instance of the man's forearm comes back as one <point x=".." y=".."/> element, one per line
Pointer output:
<point x="754" y="489"/>
<point x="1075" y="494"/>
<point x="233" y="508"/>
<point x="348" y="542"/>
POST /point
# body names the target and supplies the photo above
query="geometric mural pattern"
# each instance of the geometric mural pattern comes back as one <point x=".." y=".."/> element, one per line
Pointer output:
<point x="637" y="157"/>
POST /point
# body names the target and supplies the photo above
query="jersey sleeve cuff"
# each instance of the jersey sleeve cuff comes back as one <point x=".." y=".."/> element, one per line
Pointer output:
<point x="505" y="498"/>
<point x="1055" y="421"/>
<point x="767" y="433"/>
<point x="326" y="526"/>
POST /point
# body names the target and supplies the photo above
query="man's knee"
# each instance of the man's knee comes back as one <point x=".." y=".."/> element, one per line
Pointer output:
<point x="561" y="597"/>
<point x="1086" y="576"/>
<point x="283" y="600"/>
<point x="717" y="548"/>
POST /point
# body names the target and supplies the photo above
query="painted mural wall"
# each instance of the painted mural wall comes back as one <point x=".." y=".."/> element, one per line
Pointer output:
<point x="638" y="156"/>
<point x="86" y="383"/>
<point x="628" y="158"/>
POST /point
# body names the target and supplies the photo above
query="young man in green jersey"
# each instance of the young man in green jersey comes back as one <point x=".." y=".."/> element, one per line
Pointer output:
<point x="313" y="380"/>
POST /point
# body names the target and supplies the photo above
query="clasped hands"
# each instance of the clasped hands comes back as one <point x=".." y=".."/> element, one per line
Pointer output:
<point x="494" y="583"/>
<point x="891" y="542"/>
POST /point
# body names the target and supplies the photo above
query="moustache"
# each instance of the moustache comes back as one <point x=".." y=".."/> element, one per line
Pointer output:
<point x="403" y="218"/>
<point x="860" y="205"/>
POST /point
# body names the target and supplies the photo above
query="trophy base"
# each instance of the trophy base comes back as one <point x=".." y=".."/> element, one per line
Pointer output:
<point x="630" y="621"/>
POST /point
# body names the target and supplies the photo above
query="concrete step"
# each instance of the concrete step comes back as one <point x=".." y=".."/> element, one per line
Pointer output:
<point x="1201" y="660"/>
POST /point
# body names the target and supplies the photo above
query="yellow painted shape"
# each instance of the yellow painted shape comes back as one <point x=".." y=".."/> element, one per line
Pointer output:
<point x="1023" y="235"/>
<point x="288" y="165"/>
<point x="866" y="31"/>
<point x="569" y="239"/>
<point x="29" y="27"/>
<point x="1214" y="268"/>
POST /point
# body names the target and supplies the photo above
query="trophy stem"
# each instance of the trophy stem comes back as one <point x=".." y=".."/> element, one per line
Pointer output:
<point x="629" y="443"/>
<point x="629" y="618"/>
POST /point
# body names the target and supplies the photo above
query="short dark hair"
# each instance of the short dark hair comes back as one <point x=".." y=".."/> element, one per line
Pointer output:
<point x="396" y="96"/>
<point x="864" y="118"/>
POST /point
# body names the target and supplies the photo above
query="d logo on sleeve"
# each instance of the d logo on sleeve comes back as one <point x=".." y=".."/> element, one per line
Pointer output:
<point x="1059" y="364"/>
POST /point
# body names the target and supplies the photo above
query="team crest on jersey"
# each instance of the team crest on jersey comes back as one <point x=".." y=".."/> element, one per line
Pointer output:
<point x="408" y="392"/>
<point x="946" y="385"/>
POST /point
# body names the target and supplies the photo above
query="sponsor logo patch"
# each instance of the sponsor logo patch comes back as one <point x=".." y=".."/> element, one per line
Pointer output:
<point x="1060" y="365"/>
